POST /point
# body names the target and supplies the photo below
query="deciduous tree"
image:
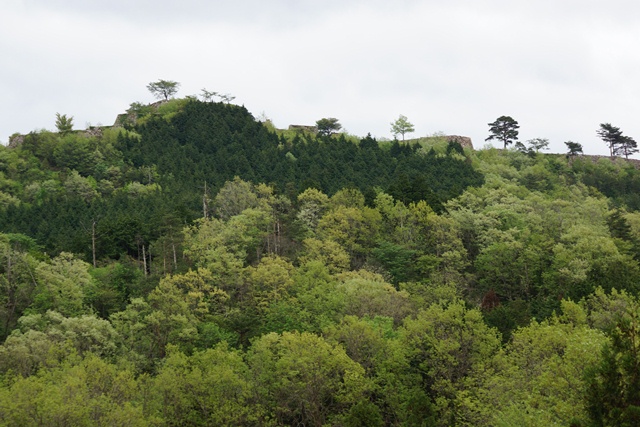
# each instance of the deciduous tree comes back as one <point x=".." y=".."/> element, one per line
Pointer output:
<point x="207" y="96"/>
<point x="448" y="345"/>
<point x="163" y="89"/>
<point x="401" y="126"/>
<point x="62" y="285"/>
<point x="303" y="379"/>
<point x="613" y="391"/>
<point x="538" y="144"/>
<point x="539" y="375"/>
<point x="211" y="387"/>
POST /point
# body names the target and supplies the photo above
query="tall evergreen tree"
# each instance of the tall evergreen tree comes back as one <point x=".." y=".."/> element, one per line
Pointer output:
<point x="627" y="146"/>
<point x="611" y="135"/>
<point x="574" y="148"/>
<point x="504" y="129"/>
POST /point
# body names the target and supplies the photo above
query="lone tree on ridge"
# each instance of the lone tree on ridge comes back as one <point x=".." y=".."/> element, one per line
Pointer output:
<point x="328" y="126"/>
<point x="611" y="135"/>
<point x="627" y="147"/>
<point x="504" y="129"/>
<point x="401" y="126"/>
<point x="574" y="148"/>
<point x="619" y="144"/>
<point x="64" y="124"/>
<point x="163" y="89"/>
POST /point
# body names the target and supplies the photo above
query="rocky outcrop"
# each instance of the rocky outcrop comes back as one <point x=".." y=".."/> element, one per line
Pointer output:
<point x="464" y="141"/>
<point x="15" y="140"/>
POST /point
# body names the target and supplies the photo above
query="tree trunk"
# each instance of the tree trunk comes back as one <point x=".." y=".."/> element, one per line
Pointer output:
<point x="93" y="242"/>
<point x="175" y="257"/>
<point x="144" y="261"/>
<point x="205" y="205"/>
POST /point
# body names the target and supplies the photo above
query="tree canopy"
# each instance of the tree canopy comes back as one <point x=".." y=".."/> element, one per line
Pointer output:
<point x="401" y="126"/>
<point x="537" y="144"/>
<point x="196" y="267"/>
<point x="163" y="89"/>
<point x="574" y="148"/>
<point x="64" y="124"/>
<point x="328" y="126"/>
<point x="504" y="129"/>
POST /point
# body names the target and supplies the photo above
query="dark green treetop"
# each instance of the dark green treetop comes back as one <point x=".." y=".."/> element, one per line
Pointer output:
<point x="611" y="135"/>
<point x="574" y="148"/>
<point x="626" y="147"/>
<point x="504" y="129"/>
<point x="328" y="126"/>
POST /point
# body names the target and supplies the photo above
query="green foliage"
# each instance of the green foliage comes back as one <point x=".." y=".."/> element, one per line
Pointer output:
<point x="449" y="345"/>
<point x="241" y="275"/>
<point x="574" y="148"/>
<point x="401" y="126"/>
<point x="618" y="143"/>
<point x="396" y="259"/>
<point x="328" y="126"/>
<point x="210" y="387"/>
<point x="75" y="152"/>
<point x="504" y="129"/>
<point x="368" y="295"/>
<point x="628" y="146"/>
<point x="611" y="135"/>
<point x="537" y="144"/>
<point x="47" y="340"/>
<point x="352" y="228"/>
<point x="18" y="261"/>
<point x="613" y="385"/>
<point x="92" y="392"/>
<point x="64" y="124"/>
<point x="284" y="367"/>
<point x="539" y="377"/>
<point x="234" y="197"/>
<point x="163" y="89"/>
<point x="62" y="285"/>
<point x="313" y="204"/>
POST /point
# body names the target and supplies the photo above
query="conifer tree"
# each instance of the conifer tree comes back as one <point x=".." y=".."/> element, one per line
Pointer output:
<point x="64" y="124"/>
<point x="627" y="146"/>
<point x="611" y="135"/>
<point x="504" y="129"/>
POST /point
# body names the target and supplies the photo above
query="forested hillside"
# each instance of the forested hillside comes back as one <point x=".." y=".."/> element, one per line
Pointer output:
<point x="196" y="267"/>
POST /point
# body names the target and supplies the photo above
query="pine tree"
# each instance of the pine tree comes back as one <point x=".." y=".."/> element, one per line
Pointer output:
<point x="611" y="135"/>
<point x="504" y="129"/>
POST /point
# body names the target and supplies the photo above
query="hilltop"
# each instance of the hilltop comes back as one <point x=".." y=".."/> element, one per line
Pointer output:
<point x="192" y="265"/>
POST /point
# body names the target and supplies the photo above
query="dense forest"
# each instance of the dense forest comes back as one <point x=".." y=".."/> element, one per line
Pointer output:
<point x="197" y="267"/>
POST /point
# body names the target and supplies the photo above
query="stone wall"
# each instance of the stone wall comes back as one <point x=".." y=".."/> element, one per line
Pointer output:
<point x="464" y="141"/>
<point x="15" y="140"/>
<point x="303" y="128"/>
<point x="595" y="158"/>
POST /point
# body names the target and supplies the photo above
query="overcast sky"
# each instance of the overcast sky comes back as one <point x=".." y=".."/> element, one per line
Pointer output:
<point x="559" y="67"/>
